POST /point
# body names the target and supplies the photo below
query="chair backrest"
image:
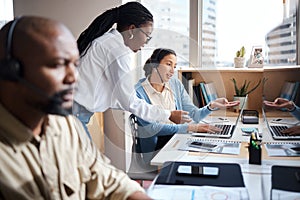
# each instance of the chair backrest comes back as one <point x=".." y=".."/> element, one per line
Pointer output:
<point x="134" y="132"/>
<point x="138" y="168"/>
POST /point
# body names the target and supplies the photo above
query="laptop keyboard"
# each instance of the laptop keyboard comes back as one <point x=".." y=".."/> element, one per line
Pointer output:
<point x="225" y="129"/>
<point x="277" y="130"/>
<point x="276" y="133"/>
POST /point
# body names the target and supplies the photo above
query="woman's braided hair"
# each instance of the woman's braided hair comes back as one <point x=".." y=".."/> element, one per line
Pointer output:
<point x="124" y="15"/>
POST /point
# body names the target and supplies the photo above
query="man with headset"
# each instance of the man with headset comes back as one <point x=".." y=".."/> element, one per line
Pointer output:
<point x="44" y="151"/>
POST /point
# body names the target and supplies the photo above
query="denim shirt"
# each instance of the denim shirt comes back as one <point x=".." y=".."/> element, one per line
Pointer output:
<point x="296" y="112"/>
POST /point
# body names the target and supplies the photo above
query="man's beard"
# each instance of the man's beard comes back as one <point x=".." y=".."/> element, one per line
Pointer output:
<point x="55" y="105"/>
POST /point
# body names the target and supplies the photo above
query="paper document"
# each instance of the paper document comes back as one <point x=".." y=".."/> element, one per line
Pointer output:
<point x="180" y="192"/>
<point x="281" y="149"/>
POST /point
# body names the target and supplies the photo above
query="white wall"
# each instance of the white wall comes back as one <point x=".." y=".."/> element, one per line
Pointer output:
<point x="76" y="14"/>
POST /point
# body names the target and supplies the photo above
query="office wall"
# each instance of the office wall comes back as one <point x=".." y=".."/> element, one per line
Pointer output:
<point x="76" y="14"/>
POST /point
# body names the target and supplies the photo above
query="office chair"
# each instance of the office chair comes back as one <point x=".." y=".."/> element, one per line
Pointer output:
<point x="138" y="169"/>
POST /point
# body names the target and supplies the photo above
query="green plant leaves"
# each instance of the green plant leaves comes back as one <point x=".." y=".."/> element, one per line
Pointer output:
<point x="243" y="90"/>
<point x="241" y="52"/>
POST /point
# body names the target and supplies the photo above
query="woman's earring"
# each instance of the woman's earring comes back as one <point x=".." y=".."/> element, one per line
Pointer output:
<point x="131" y="37"/>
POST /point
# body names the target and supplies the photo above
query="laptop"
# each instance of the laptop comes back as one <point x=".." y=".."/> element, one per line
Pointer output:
<point x="227" y="129"/>
<point x="276" y="125"/>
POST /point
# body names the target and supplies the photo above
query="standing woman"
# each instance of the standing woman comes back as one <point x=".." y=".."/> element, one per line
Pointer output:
<point x="105" y="65"/>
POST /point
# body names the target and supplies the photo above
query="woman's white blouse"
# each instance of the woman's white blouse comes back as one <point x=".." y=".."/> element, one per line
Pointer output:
<point x="105" y="80"/>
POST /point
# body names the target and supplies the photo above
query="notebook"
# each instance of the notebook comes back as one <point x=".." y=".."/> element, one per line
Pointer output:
<point x="276" y="128"/>
<point x="285" y="182"/>
<point x="171" y="183"/>
<point x="169" y="175"/>
<point x="227" y="129"/>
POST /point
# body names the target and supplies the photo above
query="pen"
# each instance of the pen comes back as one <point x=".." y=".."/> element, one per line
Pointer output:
<point x="193" y="194"/>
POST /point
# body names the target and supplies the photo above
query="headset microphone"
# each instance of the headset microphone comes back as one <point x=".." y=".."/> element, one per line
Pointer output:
<point x="155" y="61"/>
<point x="162" y="81"/>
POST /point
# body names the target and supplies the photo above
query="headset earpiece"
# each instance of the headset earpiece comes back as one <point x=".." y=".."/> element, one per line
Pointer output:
<point x="10" y="68"/>
<point x="156" y="58"/>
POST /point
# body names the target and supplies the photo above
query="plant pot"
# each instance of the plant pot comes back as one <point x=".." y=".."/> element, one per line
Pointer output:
<point x="241" y="99"/>
<point x="239" y="62"/>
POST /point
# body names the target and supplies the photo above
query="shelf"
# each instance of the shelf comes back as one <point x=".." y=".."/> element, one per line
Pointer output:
<point x="245" y="69"/>
<point x="222" y="78"/>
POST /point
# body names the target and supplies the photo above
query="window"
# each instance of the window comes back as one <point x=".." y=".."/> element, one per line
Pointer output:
<point x="6" y="11"/>
<point x="223" y="27"/>
<point x="171" y="27"/>
<point x="270" y="24"/>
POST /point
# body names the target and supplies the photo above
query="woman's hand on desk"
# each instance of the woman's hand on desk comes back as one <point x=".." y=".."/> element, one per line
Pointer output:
<point x="203" y="128"/>
<point x="295" y="130"/>
<point x="222" y="103"/>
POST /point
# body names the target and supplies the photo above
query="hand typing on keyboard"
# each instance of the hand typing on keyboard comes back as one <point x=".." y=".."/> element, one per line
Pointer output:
<point x="292" y="131"/>
<point x="203" y="128"/>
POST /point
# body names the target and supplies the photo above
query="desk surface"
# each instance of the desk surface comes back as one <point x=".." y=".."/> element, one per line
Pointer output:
<point x="257" y="178"/>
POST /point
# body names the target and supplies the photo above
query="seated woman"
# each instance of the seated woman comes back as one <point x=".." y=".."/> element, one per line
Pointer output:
<point x="162" y="89"/>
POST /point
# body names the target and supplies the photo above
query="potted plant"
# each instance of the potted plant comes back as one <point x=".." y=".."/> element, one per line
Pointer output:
<point x="239" y="59"/>
<point x="243" y="90"/>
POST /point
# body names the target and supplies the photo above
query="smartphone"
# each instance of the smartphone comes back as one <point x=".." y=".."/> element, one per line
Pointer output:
<point x="198" y="170"/>
<point x="203" y="145"/>
<point x="295" y="150"/>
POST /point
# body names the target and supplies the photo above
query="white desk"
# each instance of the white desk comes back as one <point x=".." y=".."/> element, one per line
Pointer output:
<point x="257" y="178"/>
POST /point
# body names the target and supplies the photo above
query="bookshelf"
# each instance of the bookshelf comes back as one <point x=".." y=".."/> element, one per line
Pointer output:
<point x="221" y="77"/>
<point x="277" y="78"/>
